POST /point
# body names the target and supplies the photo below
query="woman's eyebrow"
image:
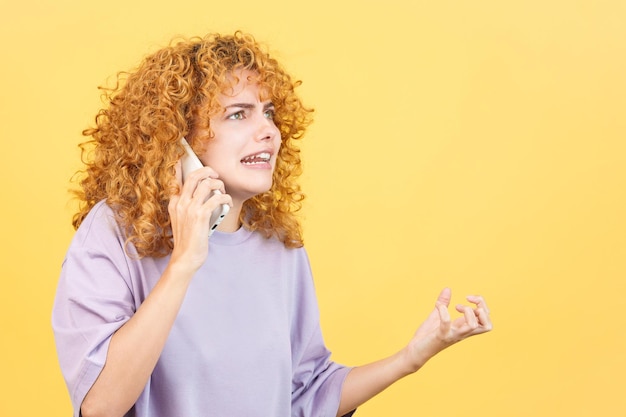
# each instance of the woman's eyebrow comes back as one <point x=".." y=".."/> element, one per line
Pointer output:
<point x="266" y="105"/>
<point x="241" y="105"/>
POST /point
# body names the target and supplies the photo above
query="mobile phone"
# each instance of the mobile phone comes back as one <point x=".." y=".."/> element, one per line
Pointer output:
<point x="191" y="162"/>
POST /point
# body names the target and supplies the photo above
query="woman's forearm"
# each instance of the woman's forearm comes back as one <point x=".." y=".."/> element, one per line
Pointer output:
<point x="365" y="382"/>
<point x="135" y="348"/>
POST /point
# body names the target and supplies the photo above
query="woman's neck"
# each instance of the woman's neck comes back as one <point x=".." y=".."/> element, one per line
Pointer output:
<point x="230" y="223"/>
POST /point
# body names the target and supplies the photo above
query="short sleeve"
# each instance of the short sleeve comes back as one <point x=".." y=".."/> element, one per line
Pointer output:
<point x="93" y="300"/>
<point x="317" y="380"/>
<point x="318" y="383"/>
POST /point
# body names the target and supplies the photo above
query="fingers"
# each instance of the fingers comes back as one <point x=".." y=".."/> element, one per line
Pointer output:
<point x="444" y="297"/>
<point x="479" y="301"/>
<point x="484" y="319"/>
<point x="205" y="188"/>
<point x="195" y="180"/>
<point x="481" y="311"/>
<point x="444" y="320"/>
<point x="476" y="318"/>
<point x="201" y="193"/>
<point x="470" y="316"/>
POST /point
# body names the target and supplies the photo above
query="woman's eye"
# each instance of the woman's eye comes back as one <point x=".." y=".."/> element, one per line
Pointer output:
<point x="237" y="116"/>
<point x="270" y="113"/>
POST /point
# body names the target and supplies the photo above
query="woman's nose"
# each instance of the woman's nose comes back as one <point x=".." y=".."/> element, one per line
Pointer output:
<point x="267" y="129"/>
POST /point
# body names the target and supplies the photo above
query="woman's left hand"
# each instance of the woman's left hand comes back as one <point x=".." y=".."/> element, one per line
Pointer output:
<point x="439" y="331"/>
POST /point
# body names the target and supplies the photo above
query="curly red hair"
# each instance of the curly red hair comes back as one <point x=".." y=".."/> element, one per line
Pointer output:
<point x="135" y="144"/>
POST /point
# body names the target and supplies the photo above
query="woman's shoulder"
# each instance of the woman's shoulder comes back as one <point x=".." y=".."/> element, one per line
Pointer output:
<point x="99" y="224"/>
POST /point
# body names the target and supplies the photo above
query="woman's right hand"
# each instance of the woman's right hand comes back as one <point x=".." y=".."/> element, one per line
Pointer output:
<point x="190" y="212"/>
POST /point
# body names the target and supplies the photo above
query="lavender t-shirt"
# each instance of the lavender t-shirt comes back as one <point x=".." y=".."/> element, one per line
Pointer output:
<point x="246" y="341"/>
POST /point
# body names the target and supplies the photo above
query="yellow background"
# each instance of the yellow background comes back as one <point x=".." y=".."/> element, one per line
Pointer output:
<point x="473" y="144"/>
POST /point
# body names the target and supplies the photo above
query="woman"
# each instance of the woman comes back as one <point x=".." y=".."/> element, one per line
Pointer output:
<point x="153" y="318"/>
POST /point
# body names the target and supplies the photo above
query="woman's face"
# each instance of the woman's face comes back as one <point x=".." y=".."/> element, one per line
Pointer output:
<point x="245" y="140"/>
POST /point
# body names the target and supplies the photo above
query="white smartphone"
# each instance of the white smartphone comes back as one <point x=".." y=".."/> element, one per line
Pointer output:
<point x="190" y="163"/>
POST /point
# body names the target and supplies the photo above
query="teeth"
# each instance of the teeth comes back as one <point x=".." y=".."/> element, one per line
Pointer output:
<point x="256" y="159"/>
